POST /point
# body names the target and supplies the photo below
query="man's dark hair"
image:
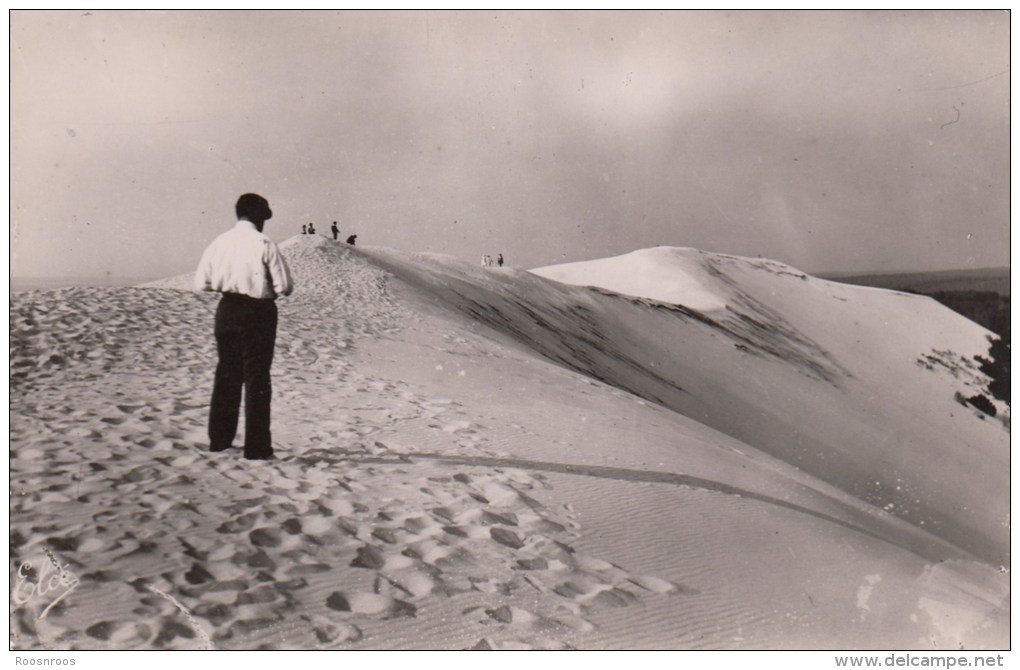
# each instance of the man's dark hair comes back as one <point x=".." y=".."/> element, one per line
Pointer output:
<point x="253" y="207"/>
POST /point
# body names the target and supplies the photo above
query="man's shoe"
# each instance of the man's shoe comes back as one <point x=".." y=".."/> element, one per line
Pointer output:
<point x="260" y="457"/>
<point x="220" y="448"/>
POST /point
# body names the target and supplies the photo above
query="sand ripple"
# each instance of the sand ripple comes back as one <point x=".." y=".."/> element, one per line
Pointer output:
<point x="347" y="540"/>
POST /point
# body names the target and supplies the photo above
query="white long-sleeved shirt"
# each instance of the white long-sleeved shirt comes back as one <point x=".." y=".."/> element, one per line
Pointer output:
<point x="243" y="260"/>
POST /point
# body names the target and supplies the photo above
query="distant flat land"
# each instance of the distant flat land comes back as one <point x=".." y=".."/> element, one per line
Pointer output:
<point x="980" y="295"/>
<point x="985" y="279"/>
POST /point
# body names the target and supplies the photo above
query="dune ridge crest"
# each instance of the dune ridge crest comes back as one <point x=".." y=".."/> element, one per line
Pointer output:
<point x="485" y="458"/>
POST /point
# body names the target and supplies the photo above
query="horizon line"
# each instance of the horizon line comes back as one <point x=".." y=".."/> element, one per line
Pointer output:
<point x="817" y="273"/>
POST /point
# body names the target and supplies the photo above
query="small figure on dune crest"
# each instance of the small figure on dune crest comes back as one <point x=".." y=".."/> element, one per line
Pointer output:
<point x="304" y="229"/>
<point x="247" y="268"/>
<point x="351" y="239"/>
<point x="311" y="228"/>
<point x="499" y="260"/>
<point x="336" y="231"/>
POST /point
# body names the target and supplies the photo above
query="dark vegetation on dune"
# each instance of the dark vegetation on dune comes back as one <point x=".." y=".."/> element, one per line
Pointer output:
<point x="996" y="366"/>
<point x="990" y="310"/>
<point x="979" y="295"/>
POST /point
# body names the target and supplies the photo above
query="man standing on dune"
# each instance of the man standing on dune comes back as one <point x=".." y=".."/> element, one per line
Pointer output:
<point x="246" y="267"/>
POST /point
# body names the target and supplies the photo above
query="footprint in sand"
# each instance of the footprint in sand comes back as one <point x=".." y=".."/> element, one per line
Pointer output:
<point x="330" y="633"/>
<point x="372" y="604"/>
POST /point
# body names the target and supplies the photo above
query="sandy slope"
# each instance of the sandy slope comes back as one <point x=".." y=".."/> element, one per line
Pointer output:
<point x="441" y="486"/>
<point x="854" y="385"/>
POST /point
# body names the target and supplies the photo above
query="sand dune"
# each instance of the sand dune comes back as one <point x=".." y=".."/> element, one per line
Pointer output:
<point x="855" y="385"/>
<point x="449" y="479"/>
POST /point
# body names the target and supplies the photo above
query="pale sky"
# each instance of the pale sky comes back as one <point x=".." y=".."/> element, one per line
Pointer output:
<point x="845" y="141"/>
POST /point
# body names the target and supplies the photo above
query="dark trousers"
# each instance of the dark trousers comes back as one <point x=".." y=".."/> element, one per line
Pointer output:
<point x="245" y="338"/>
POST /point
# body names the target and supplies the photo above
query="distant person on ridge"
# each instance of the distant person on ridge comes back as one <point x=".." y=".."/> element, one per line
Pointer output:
<point x="304" y="229"/>
<point x="351" y="239"/>
<point x="248" y="269"/>
<point x="499" y="261"/>
<point x="311" y="228"/>
<point x="336" y="231"/>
